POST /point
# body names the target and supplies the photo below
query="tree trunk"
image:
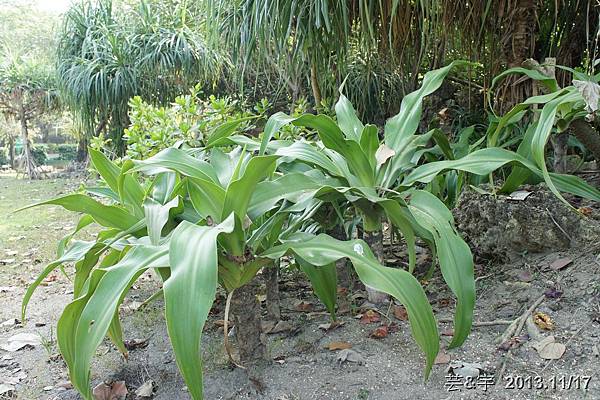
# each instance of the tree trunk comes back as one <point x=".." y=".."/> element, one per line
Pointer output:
<point x="247" y="319"/>
<point x="314" y="83"/>
<point x="11" y="151"/>
<point x="82" y="151"/>
<point x="271" y="275"/>
<point x="559" y="142"/>
<point x="588" y="136"/>
<point x="28" y="161"/>
<point x="345" y="281"/>
<point x="375" y="241"/>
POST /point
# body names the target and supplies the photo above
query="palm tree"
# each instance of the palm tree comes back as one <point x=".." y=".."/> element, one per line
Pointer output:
<point x="107" y="55"/>
<point x="26" y="91"/>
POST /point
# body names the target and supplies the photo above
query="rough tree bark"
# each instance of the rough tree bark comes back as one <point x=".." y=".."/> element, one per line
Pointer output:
<point x="314" y="83"/>
<point x="28" y="161"/>
<point x="559" y="143"/>
<point x="375" y="241"/>
<point x="588" y="136"/>
<point x="248" y="330"/>
<point x="271" y="275"/>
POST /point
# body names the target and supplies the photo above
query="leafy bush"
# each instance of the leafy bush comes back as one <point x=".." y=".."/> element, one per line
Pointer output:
<point x="39" y="154"/>
<point x="187" y="122"/>
<point x="4" y="160"/>
<point x="66" y="151"/>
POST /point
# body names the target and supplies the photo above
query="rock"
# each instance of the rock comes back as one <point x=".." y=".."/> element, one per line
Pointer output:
<point x="497" y="227"/>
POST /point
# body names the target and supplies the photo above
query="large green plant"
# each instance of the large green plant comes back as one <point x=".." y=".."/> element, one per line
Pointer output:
<point x="561" y="109"/>
<point x="199" y="224"/>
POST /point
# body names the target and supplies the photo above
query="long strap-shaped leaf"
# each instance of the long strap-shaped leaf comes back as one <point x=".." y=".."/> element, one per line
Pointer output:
<point x="172" y="159"/>
<point x="484" y="161"/>
<point x="132" y="193"/>
<point x="189" y="294"/>
<point x="323" y="250"/>
<point x="77" y="251"/>
<point x="400" y="128"/>
<point x="84" y="322"/>
<point x="108" y="216"/>
<point x="456" y="260"/>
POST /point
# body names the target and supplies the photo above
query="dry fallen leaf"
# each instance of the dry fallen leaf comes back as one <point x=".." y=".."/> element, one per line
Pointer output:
<point x="21" y="340"/>
<point x="331" y="326"/>
<point x="338" y="346"/>
<point x="281" y="326"/>
<point x="350" y="355"/>
<point x="400" y="313"/>
<point x="549" y="349"/>
<point x="132" y="344"/>
<point x="587" y="211"/>
<point x="543" y="321"/>
<point x="560" y="263"/>
<point x="519" y="195"/>
<point x="304" y="306"/>
<point x="380" y="332"/>
<point x="442" y="358"/>
<point x="369" y="317"/>
<point x="114" y="391"/>
<point x="146" y="390"/>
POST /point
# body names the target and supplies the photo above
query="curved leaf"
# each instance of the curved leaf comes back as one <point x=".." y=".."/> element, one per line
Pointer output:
<point x="190" y="292"/>
<point x="456" y="260"/>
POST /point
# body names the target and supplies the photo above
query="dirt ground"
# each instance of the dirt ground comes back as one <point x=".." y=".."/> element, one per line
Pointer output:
<point x="391" y="368"/>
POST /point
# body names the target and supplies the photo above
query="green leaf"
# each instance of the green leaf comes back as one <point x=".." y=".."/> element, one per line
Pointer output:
<point x="273" y="125"/>
<point x="132" y="193"/>
<point x="172" y="159"/>
<point x="189" y="294"/>
<point x="224" y="130"/>
<point x="324" y="282"/>
<point x="456" y="260"/>
<point x="76" y="252"/>
<point x="85" y="321"/>
<point x="207" y="198"/>
<point x="347" y="119"/>
<point x="108" y="216"/>
<point x="548" y="81"/>
<point x="157" y="215"/>
<point x="323" y="250"/>
<point x="239" y="192"/>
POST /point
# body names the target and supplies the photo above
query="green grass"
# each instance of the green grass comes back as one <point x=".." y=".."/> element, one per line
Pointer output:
<point x="32" y="233"/>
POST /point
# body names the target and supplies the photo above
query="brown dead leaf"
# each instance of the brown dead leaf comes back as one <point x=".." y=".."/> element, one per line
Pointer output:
<point x="338" y="346"/>
<point x="304" y="306"/>
<point x="369" y="317"/>
<point x="132" y="344"/>
<point x="400" y="313"/>
<point x="380" y="332"/>
<point x="561" y="263"/>
<point x="331" y="326"/>
<point x="442" y="358"/>
<point x="444" y="302"/>
<point x="221" y="323"/>
<point x="543" y="321"/>
<point x="447" y="332"/>
<point x="114" y="391"/>
<point x="549" y="349"/>
<point x="587" y="211"/>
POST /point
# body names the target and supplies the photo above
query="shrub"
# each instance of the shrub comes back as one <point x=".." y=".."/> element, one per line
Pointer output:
<point x="4" y="156"/>
<point x="39" y="154"/>
<point x="67" y="152"/>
